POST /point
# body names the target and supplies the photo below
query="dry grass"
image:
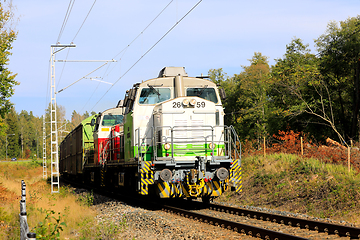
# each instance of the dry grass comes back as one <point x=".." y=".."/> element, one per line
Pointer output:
<point x="78" y="217"/>
<point x="288" y="182"/>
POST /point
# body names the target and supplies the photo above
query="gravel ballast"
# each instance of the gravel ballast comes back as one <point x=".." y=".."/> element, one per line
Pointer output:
<point x="146" y="224"/>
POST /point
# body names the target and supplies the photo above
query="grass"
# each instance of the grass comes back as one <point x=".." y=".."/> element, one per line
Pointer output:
<point x="284" y="182"/>
<point x="52" y="216"/>
<point x="290" y="183"/>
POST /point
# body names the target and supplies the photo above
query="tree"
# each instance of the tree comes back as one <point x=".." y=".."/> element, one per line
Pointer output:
<point x="302" y="92"/>
<point x="247" y="106"/>
<point x="254" y="84"/>
<point x="12" y="133"/>
<point x="63" y="126"/>
<point x="217" y="75"/>
<point x="7" y="78"/>
<point x="339" y="51"/>
<point x="76" y="118"/>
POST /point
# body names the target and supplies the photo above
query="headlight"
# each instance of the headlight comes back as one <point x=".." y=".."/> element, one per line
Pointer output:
<point x="167" y="146"/>
<point x="193" y="102"/>
<point x="212" y="145"/>
<point x="185" y="102"/>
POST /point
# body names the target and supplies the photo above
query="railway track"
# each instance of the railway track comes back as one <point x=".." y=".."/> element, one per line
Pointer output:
<point x="259" y="224"/>
<point x="244" y="221"/>
<point x="232" y="225"/>
<point x="340" y="230"/>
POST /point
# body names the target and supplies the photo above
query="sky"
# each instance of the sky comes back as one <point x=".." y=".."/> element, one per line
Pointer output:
<point x="215" y="34"/>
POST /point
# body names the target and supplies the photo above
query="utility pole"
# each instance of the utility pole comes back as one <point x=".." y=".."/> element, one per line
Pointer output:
<point x="54" y="146"/>
<point x="55" y="175"/>
<point x="44" y="150"/>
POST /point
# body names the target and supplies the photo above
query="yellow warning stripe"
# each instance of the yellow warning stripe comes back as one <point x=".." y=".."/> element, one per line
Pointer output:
<point x="144" y="189"/>
<point x="217" y="191"/>
<point x="164" y="189"/>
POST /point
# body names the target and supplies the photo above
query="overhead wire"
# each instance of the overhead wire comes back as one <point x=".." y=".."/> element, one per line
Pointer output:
<point x="66" y="18"/>
<point x="87" y="15"/>
<point x="125" y="48"/>
<point x="148" y="51"/>
<point x="63" y="68"/>
<point x="83" y="77"/>
<point x="144" y="29"/>
<point x="84" y="20"/>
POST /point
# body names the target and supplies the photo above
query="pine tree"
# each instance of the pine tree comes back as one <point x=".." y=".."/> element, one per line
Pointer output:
<point x="12" y="133"/>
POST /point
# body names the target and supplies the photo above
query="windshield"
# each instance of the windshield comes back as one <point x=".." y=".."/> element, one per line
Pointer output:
<point x="111" y="120"/>
<point x="154" y="95"/>
<point x="205" y="93"/>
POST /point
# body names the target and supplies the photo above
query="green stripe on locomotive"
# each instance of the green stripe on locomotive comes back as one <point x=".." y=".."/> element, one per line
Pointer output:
<point x="180" y="150"/>
<point x="189" y="150"/>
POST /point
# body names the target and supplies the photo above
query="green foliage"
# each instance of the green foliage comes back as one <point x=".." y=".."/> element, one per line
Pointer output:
<point x="217" y="75"/>
<point x="7" y="78"/>
<point x="339" y="50"/>
<point x="104" y="230"/>
<point x="4" y="216"/>
<point x="302" y="185"/>
<point x="7" y="222"/>
<point x="86" y="198"/>
<point x="51" y="227"/>
<point x="299" y="90"/>
<point x="312" y="93"/>
<point x="248" y="106"/>
<point x="13" y="149"/>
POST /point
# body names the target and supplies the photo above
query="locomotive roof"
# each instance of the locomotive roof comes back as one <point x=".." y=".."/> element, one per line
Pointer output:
<point x="169" y="82"/>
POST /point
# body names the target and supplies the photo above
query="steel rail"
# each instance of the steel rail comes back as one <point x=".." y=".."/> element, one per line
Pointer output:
<point x="352" y="232"/>
<point x="235" y="226"/>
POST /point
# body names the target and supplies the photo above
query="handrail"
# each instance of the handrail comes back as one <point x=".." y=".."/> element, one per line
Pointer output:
<point x="234" y="134"/>
<point x="228" y="138"/>
<point x="206" y="138"/>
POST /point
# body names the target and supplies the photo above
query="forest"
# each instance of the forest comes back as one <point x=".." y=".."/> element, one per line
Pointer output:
<point x="316" y="95"/>
<point x="24" y="134"/>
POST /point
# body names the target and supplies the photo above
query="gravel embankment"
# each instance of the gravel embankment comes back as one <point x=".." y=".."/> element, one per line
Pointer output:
<point x="145" y="224"/>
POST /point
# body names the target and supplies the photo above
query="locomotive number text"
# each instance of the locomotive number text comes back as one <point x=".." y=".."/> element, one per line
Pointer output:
<point x="198" y="104"/>
<point x="176" y="105"/>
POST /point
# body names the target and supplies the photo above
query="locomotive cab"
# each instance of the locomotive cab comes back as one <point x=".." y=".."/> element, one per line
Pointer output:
<point x="104" y="122"/>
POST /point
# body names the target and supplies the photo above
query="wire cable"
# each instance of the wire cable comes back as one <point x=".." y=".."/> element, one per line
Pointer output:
<point x="66" y="18"/>
<point x="144" y="29"/>
<point x="62" y="71"/>
<point x="82" y="78"/>
<point x="148" y="51"/>
<point x="125" y="49"/>
<point x="84" y="21"/>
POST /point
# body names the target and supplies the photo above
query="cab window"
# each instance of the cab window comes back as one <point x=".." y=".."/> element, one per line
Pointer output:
<point x="111" y="120"/>
<point x="205" y="93"/>
<point x="154" y="95"/>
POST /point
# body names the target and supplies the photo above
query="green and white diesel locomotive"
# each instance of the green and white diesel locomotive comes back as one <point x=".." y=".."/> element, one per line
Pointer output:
<point x="171" y="141"/>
